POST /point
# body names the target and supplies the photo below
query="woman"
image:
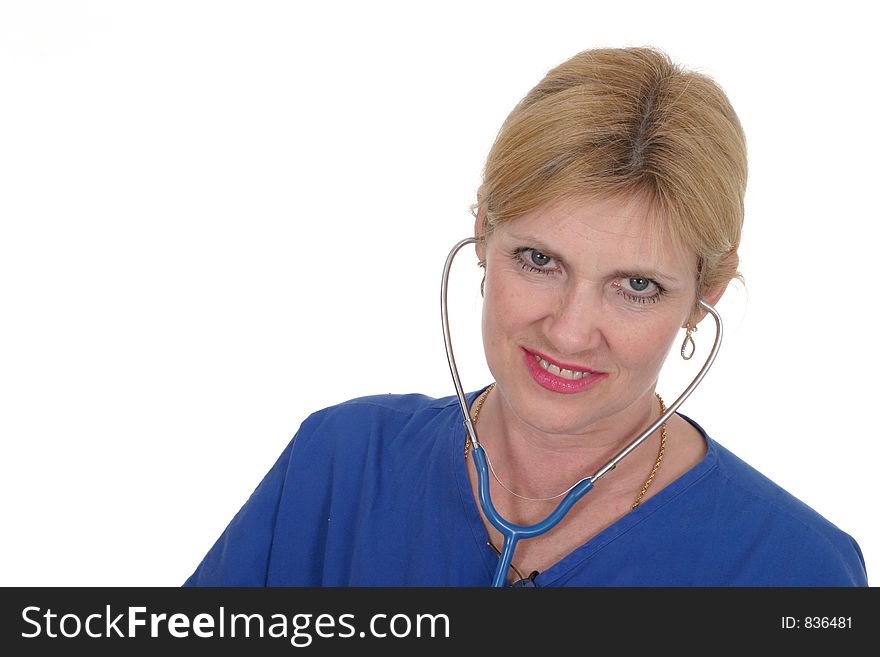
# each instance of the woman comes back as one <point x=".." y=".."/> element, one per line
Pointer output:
<point x="611" y="205"/>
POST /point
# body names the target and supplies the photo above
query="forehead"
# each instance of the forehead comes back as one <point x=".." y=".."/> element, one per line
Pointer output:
<point x="624" y="231"/>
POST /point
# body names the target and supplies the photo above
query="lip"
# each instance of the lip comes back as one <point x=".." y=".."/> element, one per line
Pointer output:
<point x="554" y="383"/>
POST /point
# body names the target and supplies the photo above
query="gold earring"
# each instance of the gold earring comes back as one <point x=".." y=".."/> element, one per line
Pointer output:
<point x="688" y="347"/>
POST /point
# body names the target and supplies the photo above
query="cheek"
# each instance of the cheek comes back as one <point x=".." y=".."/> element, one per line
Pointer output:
<point x="507" y="316"/>
<point x="509" y="308"/>
<point x="643" y="347"/>
<point x="497" y="318"/>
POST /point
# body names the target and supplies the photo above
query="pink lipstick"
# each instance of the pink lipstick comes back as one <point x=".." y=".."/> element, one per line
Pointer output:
<point x="558" y="377"/>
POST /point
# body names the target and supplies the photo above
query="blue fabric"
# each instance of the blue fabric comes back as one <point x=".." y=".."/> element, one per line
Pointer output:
<point x="375" y="492"/>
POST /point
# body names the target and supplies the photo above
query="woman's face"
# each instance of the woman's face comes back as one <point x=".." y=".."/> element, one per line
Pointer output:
<point x="582" y="304"/>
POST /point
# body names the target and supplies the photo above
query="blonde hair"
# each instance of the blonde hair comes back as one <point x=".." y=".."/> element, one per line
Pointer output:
<point x="619" y="122"/>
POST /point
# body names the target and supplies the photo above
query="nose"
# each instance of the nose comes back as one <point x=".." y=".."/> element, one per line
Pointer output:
<point x="574" y="323"/>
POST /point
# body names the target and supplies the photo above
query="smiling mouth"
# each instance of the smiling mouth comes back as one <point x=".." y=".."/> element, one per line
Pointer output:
<point x="571" y="375"/>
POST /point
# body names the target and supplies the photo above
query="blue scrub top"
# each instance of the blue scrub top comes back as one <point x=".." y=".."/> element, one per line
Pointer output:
<point x="375" y="492"/>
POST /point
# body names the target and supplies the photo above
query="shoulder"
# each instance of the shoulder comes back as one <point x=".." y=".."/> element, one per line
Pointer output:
<point x="784" y="536"/>
<point x="756" y="490"/>
<point x="388" y="410"/>
<point x="398" y="404"/>
<point x="378" y="422"/>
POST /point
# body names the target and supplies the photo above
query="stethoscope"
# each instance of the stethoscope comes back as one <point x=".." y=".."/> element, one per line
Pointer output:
<point x="511" y="532"/>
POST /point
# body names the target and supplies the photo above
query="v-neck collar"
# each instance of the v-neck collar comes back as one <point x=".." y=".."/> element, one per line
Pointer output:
<point x="625" y="524"/>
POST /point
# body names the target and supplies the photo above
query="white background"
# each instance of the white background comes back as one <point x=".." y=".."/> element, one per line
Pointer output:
<point x="218" y="217"/>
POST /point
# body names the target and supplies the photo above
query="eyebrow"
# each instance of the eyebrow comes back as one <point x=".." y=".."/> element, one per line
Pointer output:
<point x="625" y="272"/>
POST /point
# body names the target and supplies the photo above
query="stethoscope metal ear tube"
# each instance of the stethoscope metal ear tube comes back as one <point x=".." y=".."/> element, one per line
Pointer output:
<point x="513" y="533"/>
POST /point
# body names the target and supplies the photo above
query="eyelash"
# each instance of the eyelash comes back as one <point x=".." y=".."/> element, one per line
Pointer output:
<point x="518" y="258"/>
<point x="526" y="266"/>
<point x="654" y="298"/>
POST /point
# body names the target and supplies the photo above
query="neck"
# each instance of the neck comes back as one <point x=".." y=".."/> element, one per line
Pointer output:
<point x="538" y="463"/>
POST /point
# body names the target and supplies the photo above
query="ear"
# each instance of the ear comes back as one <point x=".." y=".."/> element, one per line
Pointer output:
<point x="479" y="233"/>
<point x="712" y="296"/>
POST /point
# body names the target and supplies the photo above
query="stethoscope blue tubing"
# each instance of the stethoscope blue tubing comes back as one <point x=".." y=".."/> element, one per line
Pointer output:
<point x="513" y="533"/>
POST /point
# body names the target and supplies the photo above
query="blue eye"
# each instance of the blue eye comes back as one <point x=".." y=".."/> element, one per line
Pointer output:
<point x="539" y="258"/>
<point x="534" y="261"/>
<point x="639" y="289"/>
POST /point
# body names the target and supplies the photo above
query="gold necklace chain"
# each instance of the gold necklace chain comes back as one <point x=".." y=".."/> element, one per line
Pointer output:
<point x="476" y="414"/>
